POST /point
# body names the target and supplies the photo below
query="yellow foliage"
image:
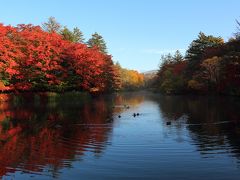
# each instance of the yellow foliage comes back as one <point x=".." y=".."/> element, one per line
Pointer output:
<point x="212" y="68"/>
<point x="3" y="87"/>
<point x="193" y="84"/>
<point x="131" y="78"/>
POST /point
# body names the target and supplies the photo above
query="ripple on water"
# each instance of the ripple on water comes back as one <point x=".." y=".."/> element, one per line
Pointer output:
<point x="199" y="144"/>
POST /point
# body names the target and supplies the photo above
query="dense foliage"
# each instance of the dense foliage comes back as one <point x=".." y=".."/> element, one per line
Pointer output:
<point x="129" y="79"/>
<point x="170" y="77"/>
<point x="56" y="59"/>
<point x="209" y="67"/>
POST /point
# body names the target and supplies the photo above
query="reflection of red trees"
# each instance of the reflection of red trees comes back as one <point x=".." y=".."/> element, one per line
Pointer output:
<point x="32" y="142"/>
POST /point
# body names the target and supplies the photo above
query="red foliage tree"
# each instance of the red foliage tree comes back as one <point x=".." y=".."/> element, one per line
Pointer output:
<point x="32" y="59"/>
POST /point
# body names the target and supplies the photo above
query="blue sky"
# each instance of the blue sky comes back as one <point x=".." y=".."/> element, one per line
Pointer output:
<point x="137" y="32"/>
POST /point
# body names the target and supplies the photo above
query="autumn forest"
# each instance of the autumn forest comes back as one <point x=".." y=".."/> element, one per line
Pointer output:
<point x="120" y="90"/>
<point x="210" y="66"/>
<point x="53" y="58"/>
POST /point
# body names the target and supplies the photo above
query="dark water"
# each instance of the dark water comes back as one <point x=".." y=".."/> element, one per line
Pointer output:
<point x="76" y="139"/>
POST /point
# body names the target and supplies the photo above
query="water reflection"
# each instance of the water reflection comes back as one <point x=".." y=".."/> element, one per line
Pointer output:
<point x="213" y="122"/>
<point x="42" y="136"/>
<point x="35" y="134"/>
<point x="52" y="134"/>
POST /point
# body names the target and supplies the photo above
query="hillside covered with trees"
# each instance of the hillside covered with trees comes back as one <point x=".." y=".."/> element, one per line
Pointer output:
<point x="210" y="66"/>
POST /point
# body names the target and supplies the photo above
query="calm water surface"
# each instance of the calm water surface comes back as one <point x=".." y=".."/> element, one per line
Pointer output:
<point x="74" y="140"/>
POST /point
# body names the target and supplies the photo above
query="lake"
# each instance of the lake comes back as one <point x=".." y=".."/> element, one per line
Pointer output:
<point x="173" y="137"/>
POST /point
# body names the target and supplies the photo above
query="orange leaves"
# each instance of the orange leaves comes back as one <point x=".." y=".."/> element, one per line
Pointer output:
<point x="131" y="79"/>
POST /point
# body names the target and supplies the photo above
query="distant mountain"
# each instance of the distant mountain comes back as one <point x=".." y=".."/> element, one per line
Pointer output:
<point x="150" y="72"/>
<point x="148" y="75"/>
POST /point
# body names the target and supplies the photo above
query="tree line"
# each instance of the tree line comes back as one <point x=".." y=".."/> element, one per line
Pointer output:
<point x="210" y="66"/>
<point x="54" y="58"/>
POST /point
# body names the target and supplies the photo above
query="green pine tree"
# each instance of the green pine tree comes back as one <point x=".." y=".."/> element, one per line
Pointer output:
<point x="197" y="48"/>
<point x="97" y="41"/>
<point x="78" y="35"/>
<point x="51" y="25"/>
